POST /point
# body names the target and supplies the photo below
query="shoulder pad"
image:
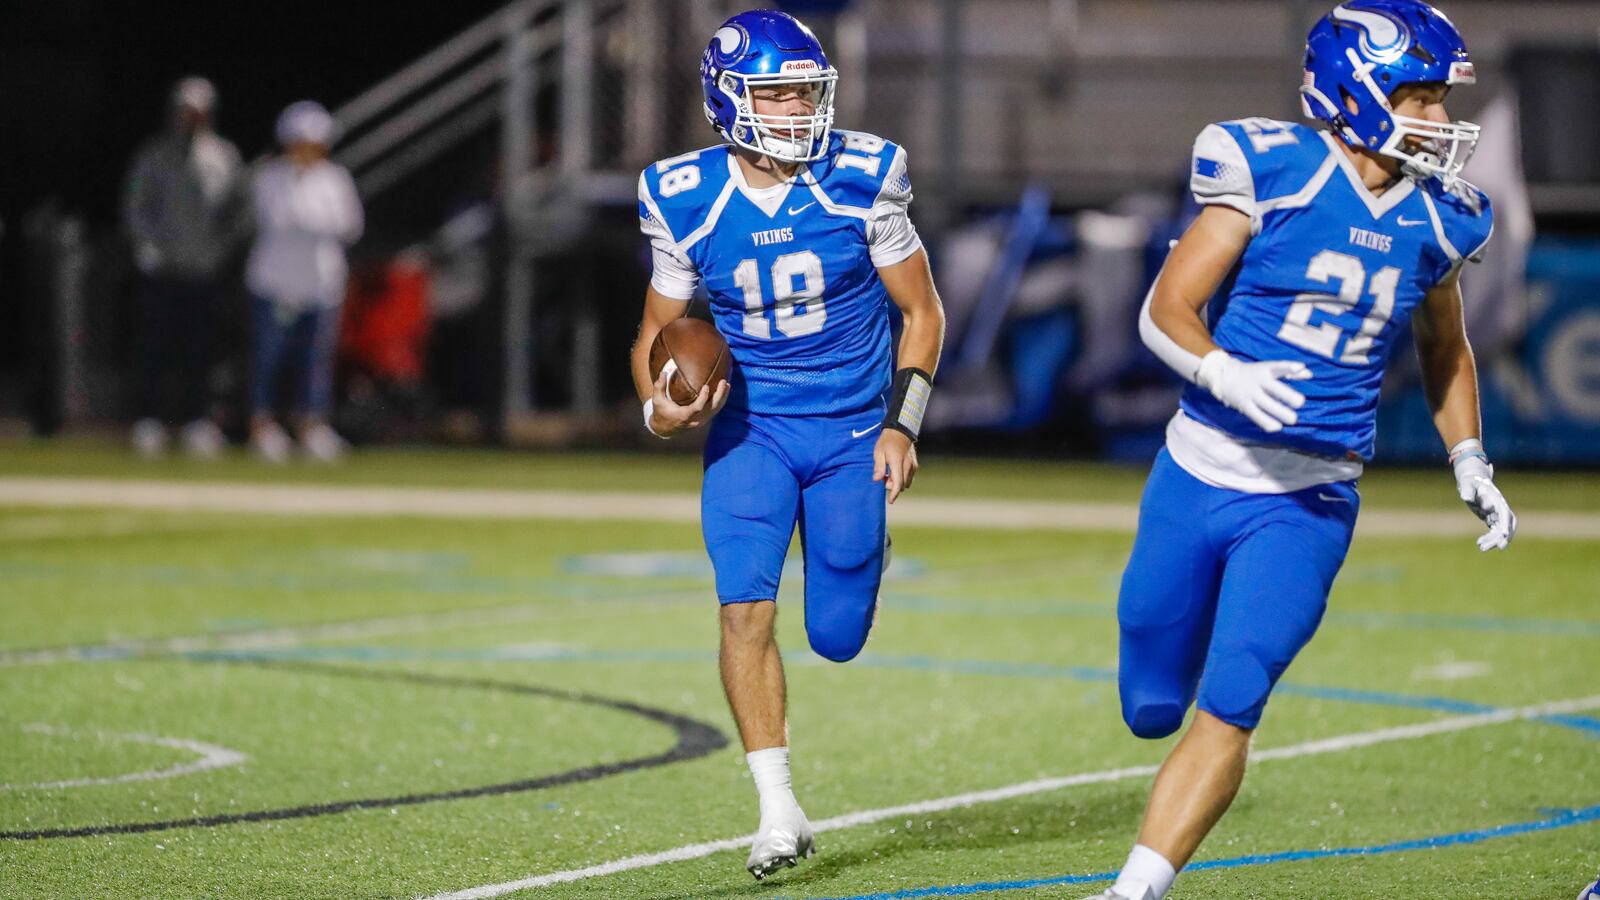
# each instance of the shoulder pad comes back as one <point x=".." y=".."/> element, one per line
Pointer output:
<point x="1467" y="198"/>
<point x="1465" y="213"/>
<point x="678" y="192"/>
<point x="855" y="168"/>
<point x="1282" y="156"/>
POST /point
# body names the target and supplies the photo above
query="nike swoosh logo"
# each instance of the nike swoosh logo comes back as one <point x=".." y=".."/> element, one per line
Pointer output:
<point x="865" y="431"/>
<point x="797" y="210"/>
<point x="1402" y="220"/>
<point x="1322" y="496"/>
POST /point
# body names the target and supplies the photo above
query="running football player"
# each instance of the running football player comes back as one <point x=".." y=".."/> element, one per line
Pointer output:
<point x="1336" y="240"/>
<point x="799" y="233"/>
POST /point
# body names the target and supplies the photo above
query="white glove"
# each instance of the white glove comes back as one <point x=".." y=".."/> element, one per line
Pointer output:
<point x="1475" y="484"/>
<point x="1255" y="389"/>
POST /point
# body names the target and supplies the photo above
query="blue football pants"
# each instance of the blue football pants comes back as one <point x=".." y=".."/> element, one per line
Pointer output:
<point x="1221" y="592"/>
<point x="764" y="475"/>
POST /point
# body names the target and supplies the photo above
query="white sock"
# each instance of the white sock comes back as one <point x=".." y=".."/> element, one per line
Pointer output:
<point x="1145" y="870"/>
<point x="770" y="769"/>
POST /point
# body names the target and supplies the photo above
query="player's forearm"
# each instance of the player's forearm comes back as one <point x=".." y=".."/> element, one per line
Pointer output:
<point x="1450" y="380"/>
<point x="1179" y="320"/>
<point x="1178" y="337"/>
<point x="639" y="360"/>
<point x="1170" y="322"/>
<point x="922" y="338"/>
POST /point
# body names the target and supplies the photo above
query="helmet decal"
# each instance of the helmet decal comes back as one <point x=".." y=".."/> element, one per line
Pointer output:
<point x="1383" y="39"/>
<point x="729" y="40"/>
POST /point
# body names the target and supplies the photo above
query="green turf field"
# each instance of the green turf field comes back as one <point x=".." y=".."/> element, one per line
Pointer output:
<point x="229" y="705"/>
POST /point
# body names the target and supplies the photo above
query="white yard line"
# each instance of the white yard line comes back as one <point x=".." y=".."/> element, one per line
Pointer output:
<point x="211" y="757"/>
<point x="1453" y="671"/>
<point x="290" y="635"/>
<point x="473" y="503"/>
<point x="1026" y="788"/>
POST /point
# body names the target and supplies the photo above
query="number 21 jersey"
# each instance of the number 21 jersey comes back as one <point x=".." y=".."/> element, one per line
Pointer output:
<point x="1330" y="277"/>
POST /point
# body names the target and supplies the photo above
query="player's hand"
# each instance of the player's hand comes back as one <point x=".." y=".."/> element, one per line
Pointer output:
<point x="668" y="417"/>
<point x="894" y="462"/>
<point x="1255" y="389"/>
<point x="1475" y="484"/>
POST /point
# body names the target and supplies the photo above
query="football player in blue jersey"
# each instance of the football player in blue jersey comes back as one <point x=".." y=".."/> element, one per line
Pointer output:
<point x="1336" y="240"/>
<point x="799" y="233"/>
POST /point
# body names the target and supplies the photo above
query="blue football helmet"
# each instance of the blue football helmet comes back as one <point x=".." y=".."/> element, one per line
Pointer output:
<point x="762" y="48"/>
<point x="1361" y="52"/>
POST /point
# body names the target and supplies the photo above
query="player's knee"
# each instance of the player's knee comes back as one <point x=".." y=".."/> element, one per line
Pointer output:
<point x="838" y="643"/>
<point x="747" y="622"/>
<point x="1237" y="687"/>
<point x="1153" y="720"/>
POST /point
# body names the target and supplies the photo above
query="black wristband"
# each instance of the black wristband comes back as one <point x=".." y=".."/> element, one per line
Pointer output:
<point x="908" y="401"/>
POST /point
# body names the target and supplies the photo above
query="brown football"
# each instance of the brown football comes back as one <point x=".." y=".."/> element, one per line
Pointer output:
<point x="700" y="352"/>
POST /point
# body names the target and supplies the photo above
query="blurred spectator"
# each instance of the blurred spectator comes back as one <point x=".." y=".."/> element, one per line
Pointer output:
<point x="186" y="212"/>
<point x="307" y="214"/>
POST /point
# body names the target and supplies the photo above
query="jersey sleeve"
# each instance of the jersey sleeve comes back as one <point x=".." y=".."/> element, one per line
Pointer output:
<point x="1478" y="221"/>
<point x="1463" y="221"/>
<point x="672" y="274"/>
<point x="891" y="238"/>
<point x="1220" y="175"/>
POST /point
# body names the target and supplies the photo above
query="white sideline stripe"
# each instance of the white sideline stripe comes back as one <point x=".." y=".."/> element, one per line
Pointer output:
<point x="1043" y="785"/>
<point x="211" y="757"/>
<point x="262" y="638"/>
<point x="472" y="503"/>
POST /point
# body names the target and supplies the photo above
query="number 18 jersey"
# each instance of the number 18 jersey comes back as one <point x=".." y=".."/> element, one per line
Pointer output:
<point x="790" y="270"/>
<point x="1330" y="277"/>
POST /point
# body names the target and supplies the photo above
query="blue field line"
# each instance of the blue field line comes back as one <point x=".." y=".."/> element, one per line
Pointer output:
<point x="1443" y="622"/>
<point x="1004" y="608"/>
<point x="586" y="587"/>
<point x="1582" y="723"/>
<point x="1561" y="819"/>
<point x="912" y="663"/>
<point x="1383" y="698"/>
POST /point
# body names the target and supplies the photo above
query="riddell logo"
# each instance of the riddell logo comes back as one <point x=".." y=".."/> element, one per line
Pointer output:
<point x="1462" y="73"/>
<point x="799" y="65"/>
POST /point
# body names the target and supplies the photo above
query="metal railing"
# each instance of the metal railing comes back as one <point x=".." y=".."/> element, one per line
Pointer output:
<point x="492" y="73"/>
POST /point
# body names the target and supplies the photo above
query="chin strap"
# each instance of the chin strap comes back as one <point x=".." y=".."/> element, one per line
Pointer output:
<point x="908" y="401"/>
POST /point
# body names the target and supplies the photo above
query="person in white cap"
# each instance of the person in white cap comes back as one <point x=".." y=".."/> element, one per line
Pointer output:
<point x="186" y="211"/>
<point x="307" y="215"/>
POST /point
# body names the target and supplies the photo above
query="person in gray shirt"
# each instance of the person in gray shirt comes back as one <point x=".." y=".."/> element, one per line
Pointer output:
<point x="186" y="210"/>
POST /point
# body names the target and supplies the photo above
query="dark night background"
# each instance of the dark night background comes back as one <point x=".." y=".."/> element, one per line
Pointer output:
<point x="85" y="81"/>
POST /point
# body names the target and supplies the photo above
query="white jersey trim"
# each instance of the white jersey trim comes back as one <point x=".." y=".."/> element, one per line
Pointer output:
<point x="891" y="238"/>
<point x="705" y="228"/>
<point x="1380" y="205"/>
<point x="649" y="201"/>
<point x="1223" y="461"/>
<point x="1234" y="184"/>
<point x="768" y="199"/>
<point x="1305" y="195"/>
<point x="1477" y="255"/>
<point x="671" y="273"/>
<point x="854" y="212"/>
<point x="1438" y="231"/>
